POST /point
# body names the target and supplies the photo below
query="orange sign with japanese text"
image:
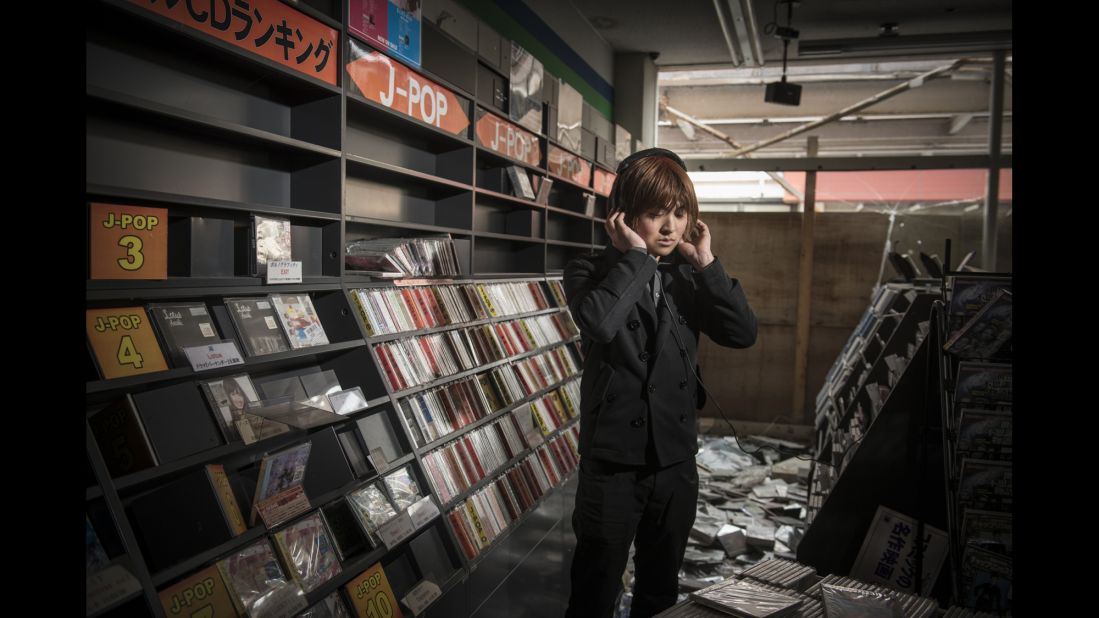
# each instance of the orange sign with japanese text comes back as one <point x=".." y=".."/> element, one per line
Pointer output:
<point x="567" y="165"/>
<point x="384" y="80"/>
<point x="603" y="181"/>
<point x="128" y="242"/>
<point x="266" y="28"/>
<point x="499" y="135"/>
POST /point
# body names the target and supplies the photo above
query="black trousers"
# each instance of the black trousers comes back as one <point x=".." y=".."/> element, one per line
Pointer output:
<point x="616" y="504"/>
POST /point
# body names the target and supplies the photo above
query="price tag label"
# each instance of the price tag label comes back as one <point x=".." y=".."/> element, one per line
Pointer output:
<point x="283" y="271"/>
<point x="423" y="511"/>
<point x="283" y="506"/>
<point x="214" y="355"/>
<point x="128" y="242"/>
<point x="422" y="595"/>
<point x="123" y="342"/>
<point x="372" y="596"/>
<point x="396" y="530"/>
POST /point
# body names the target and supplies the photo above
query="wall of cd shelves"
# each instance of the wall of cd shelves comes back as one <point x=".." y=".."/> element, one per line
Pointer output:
<point x="213" y="135"/>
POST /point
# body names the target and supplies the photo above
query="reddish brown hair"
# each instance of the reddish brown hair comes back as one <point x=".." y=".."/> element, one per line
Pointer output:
<point x="654" y="183"/>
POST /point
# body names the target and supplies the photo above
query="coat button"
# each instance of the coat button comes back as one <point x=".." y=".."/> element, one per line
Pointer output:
<point x="682" y="418"/>
<point x="652" y="388"/>
<point x="682" y="320"/>
<point x="644" y="356"/>
<point x="683" y="384"/>
<point x="611" y="397"/>
<point x="634" y="324"/>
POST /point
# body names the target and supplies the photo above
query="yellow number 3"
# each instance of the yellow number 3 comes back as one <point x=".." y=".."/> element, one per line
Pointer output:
<point x="133" y="259"/>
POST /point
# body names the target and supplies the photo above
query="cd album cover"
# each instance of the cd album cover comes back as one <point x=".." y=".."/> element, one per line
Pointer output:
<point x="299" y="320"/>
<point x="257" y="325"/>
<point x="271" y="236"/>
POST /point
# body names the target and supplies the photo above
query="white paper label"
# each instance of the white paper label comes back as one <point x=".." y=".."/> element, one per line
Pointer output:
<point x="422" y="595"/>
<point x="423" y="511"/>
<point x="207" y="330"/>
<point x="377" y="458"/>
<point x="283" y="271"/>
<point x="212" y="356"/>
<point x="396" y="530"/>
<point x="262" y="304"/>
<point x="888" y="553"/>
<point x="107" y="586"/>
<point x="196" y="311"/>
<point x="271" y="323"/>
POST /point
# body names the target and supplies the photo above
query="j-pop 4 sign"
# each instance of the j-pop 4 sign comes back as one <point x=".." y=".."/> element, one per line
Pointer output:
<point x="388" y="82"/>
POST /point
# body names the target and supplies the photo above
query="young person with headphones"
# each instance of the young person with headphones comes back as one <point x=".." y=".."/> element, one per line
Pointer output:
<point x="640" y="306"/>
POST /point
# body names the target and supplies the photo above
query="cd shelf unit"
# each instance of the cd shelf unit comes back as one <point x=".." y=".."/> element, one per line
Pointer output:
<point x="214" y="134"/>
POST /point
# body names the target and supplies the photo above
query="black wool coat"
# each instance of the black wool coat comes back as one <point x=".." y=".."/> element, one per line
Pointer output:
<point x="638" y="384"/>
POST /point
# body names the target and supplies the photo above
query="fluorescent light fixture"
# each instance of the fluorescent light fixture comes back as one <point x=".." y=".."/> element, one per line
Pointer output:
<point x="738" y="26"/>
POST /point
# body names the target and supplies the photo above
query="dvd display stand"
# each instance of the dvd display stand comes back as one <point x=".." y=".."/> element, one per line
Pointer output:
<point x="221" y="140"/>
<point x="877" y="443"/>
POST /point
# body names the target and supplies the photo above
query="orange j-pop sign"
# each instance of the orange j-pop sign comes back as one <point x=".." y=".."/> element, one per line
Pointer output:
<point x="266" y="28"/>
<point x="503" y="137"/>
<point x="567" y="165"/>
<point x="384" y="80"/>
<point x="603" y="181"/>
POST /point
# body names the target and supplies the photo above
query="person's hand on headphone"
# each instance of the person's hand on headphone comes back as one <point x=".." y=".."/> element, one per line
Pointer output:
<point x="622" y="237"/>
<point x="697" y="251"/>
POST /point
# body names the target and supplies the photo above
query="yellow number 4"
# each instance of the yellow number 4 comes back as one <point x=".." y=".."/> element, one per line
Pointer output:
<point x="128" y="354"/>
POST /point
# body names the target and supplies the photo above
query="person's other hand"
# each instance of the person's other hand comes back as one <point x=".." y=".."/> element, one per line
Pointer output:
<point x="698" y="252"/>
<point x="622" y="237"/>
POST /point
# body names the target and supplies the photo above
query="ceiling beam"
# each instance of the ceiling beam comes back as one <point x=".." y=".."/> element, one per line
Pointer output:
<point x="958" y="122"/>
<point x="850" y="109"/>
<point x="858" y="118"/>
<point x="728" y="140"/>
<point x="844" y="164"/>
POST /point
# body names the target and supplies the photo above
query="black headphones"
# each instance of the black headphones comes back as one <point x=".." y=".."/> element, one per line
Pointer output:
<point x="650" y="152"/>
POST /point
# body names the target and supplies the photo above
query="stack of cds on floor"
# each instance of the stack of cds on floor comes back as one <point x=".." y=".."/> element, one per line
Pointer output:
<point x="851" y="597"/>
<point x="778" y="588"/>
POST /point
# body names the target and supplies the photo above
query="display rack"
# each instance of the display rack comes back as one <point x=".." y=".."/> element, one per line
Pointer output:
<point x="214" y="134"/>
